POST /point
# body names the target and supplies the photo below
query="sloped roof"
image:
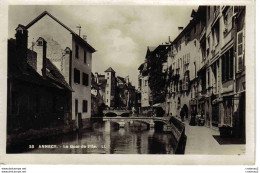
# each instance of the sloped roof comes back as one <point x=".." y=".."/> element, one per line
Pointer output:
<point x="63" y="25"/>
<point x="94" y="85"/>
<point x="141" y="66"/>
<point x="54" y="78"/>
<point x="121" y="86"/>
<point x="110" y="70"/>
<point x="121" y="79"/>
<point x="56" y="75"/>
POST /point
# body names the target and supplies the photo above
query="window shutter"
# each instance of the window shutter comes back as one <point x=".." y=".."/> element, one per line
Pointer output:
<point x="240" y="50"/>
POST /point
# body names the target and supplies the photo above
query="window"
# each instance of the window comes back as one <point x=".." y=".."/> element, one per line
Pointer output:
<point x="40" y="43"/>
<point x="185" y="84"/>
<point x="208" y="49"/>
<point x="85" y="106"/>
<point x="85" y="57"/>
<point x="77" y="51"/>
<point x="76" y="76"/>
<point x="215" y="33"/>
<point x="227" y="15"/>
<point x="107" y="92"/>
<point x="203" y="81"/>
<point x="107" y="100"/>
<point x="85" y="79"/>
<point x="203" y="50"/>
<point x="67" y="51"/>
<point x="227" y="65"/>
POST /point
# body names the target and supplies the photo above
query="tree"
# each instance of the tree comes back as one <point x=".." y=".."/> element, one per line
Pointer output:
<point x="157" y="79"/>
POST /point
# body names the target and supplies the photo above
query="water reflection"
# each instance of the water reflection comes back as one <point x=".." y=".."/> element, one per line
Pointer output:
<point x="108" y="138"/>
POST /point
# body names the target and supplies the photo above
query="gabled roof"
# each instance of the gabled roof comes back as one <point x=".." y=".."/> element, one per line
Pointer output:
<point x="150" y="49"/>
<point x="110" y="70"/>
<point x="63" y="25"/>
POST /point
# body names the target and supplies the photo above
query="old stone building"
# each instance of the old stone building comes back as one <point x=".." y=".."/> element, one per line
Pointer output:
<point x="205" y="72"/>
<point x="72" y="55"/>
<point x="213" y="69"/>
<point x="183" y="56"/>
<point x="35" y="101"/>
<point x="117" y="92"/>
<point x="143" y="86"/>
<point x="110" y="87"/>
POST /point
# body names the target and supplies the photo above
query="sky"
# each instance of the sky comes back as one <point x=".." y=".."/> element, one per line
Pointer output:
<point x="120" y="34"/>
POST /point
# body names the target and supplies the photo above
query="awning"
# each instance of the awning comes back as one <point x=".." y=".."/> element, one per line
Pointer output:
<point x="217" y="100"/>
<point x="157" y="105"/>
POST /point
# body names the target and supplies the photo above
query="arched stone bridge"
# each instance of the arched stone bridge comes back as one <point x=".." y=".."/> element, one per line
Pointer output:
<point x="171" y="124"/>
<point x="147" y="120"/>
<point x="116" y="112"/>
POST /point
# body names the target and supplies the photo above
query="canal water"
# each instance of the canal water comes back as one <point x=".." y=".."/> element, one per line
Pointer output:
<point x="107" y="138"/>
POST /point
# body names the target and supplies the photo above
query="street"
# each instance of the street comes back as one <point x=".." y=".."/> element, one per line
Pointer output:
<point x="201" y="141"/>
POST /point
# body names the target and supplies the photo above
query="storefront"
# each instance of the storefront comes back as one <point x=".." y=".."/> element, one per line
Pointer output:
<point x="215" y="112"/>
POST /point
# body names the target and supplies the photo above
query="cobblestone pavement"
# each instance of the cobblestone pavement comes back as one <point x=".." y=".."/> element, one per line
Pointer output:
<point x="201" y="141"/>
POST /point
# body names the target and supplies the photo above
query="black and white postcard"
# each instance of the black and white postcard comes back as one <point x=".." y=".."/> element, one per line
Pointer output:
<point x="128" y="82"/>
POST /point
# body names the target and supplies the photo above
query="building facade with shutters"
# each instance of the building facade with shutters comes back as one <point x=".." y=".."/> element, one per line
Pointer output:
<point x="183" y="59"/>
<point x="206" y="68"/>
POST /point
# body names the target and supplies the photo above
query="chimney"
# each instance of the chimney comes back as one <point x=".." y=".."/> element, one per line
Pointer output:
<point x="65" y="64"/>
<point x="180" y="28"/>
<point x="169" y="39"/>
<point x="85" y="37"/>
<point x="41" y="47"/>
<point x="21" y="46"/>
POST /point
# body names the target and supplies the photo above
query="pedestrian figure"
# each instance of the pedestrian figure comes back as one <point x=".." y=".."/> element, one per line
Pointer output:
<point x="182" y="115"/>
